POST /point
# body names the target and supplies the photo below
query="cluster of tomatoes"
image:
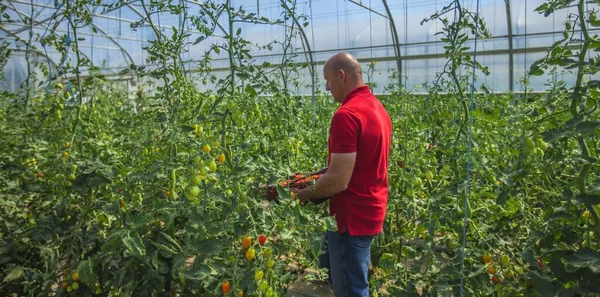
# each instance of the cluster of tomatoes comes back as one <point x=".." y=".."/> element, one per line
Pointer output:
<point x="259" y="274"/>
<point x="508" y="273"/>
<point x="298" y="182"/>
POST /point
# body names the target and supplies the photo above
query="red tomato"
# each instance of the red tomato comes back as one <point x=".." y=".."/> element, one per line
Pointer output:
<point x="262" y="239"/>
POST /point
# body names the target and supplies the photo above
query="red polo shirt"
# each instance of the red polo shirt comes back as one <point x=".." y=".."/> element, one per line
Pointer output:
<point x="362" y="125"/>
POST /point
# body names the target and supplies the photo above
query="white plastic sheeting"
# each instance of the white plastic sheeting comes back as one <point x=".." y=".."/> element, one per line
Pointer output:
<point x="335" y="25"/>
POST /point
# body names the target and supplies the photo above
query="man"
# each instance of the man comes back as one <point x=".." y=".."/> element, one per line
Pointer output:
<point x="357" y="178"/>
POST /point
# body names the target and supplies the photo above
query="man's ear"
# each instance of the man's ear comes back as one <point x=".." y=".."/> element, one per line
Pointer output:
<point x="342" y="74"/>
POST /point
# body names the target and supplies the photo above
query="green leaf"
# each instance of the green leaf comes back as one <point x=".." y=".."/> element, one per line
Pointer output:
<point x="528" y="257"/>
<point x="199" y="39"/>
<point x="595" y="186"/>
<point x="250" y="90"/>
<point x="86" y="273"/>
<point x="171" y="241"/>
<point x="583" y="258"/>
<point x="387" y="261"/>
<point x="542" y="7"/>
<point x="572" y="123"/>
<point x="566" y="292"/>
<point x="49" y="258"/>
<point x="562" y="216"/>
<point x="164" y="248"/>
<point x="567" y="194"/>
<point x="557" y="268"/>
<point x="588" y="199"/>
<point x="178" y="262"/>
<point x="282" y="192"/>
<point x="199" y="273"/>
<point x="587" y="127"/>
<point x="502" y="198"/>
<point x="535" y="70"/>
<point x="135" y="245"/>
<point x="555" y="134"/>
<point x="399" y="292"/>
<point x="485" y="89"/>
<point x="543" y="283"/>
<point x="595" y="267"/>
<point x="210" y="247"/>
<point x="13" y="275"/>
<point x="154" y="260"/>
<point x="139" y="220"/>
<point x="113" y="241"/>
<point x="588" y="254"/>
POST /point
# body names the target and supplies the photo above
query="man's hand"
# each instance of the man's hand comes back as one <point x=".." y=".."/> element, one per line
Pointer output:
<point x="334" y="181"/>
<point x="303" y="195"/>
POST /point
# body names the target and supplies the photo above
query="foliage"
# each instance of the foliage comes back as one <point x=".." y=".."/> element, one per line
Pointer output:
<point x="160" y="191"/>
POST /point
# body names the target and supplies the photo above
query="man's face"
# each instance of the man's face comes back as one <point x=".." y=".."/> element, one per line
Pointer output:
<point x="334" y="82"/>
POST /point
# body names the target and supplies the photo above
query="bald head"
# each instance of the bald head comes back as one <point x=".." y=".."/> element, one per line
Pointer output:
<point x="342" y="75"/>
<point x="345" y="62"/>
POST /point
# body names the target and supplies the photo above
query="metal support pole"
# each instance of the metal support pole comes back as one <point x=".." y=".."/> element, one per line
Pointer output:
<point x="396" y="42"/>
<point x="511" y="68"/>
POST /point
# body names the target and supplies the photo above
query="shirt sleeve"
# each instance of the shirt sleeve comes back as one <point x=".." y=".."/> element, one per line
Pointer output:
<point x="345" y="132"/>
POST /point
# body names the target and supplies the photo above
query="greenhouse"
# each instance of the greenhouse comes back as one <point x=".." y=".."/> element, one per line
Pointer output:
<point x="222" y="147"/>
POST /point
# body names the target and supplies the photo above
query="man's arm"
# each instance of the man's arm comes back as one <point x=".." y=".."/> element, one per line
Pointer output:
<point x="334" y="181"/>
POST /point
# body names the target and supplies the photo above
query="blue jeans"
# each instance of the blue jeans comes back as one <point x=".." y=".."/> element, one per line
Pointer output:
<point x="347" y="258"/>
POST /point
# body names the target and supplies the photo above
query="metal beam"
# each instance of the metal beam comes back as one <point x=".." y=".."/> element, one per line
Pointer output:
<point x="25" y="27"/>
<point x="78" y="33"/>
<point x="37" y="52"/>
<point x="369" y="9"/>
<point x="123" y="51"/>
<point x="82" y="45"/>
<point x="396" y="41"/>
<point x="511" y="64"/>
<point x="387" y="59"/>
<point x="102" y="16"/>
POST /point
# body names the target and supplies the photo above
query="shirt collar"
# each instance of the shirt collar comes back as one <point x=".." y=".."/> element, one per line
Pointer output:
<point x="357" y="91"/>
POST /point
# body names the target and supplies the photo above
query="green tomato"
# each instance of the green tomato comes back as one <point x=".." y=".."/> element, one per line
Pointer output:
<point x="417" y="181"/>
<point x="542" y="144"/>
<point x="262" y="286"/>
<point x="197" y="180"/>
<point x="212" y="166"/>
<point x="267" y="252"/>
<point x="193" y="192"/>
<point x="429" y="175"/>
<point x="539" y="152"/>
<point x="269" y="292"/>
<point x="529" y="144"/>
<point x="258" y="275"/>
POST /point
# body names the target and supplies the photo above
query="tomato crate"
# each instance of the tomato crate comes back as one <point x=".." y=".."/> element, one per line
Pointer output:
<point x="298" y="181"/>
